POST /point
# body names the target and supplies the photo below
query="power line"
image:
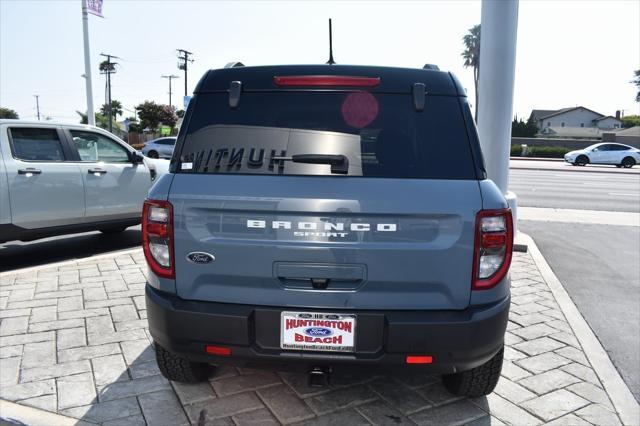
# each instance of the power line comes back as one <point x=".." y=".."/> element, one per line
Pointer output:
<point x="170" y="77"/>
<point x="109" y="69"/>
<point x="183" y="55"/>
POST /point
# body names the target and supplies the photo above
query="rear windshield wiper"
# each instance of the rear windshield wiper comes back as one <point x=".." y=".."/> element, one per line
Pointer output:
<point x="339" y="163"/>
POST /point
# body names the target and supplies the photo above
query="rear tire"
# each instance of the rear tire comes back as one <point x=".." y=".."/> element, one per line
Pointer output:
<point x="478" y="381"/>
<point x="179" y="369"/>
<point x="110" y="231"/>
<point x="582" y="160"/>
<point x="153" y="154"/>
<point x="628" y="162"/>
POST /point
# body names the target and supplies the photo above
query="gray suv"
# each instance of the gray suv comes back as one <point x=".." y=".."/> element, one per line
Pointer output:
<point x="327" y="217"/>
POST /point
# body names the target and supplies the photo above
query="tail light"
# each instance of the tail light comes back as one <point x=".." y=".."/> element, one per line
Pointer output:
<point x="157" y="237"/>
<point x="326" y="80"/>
<point x="493" y="248"/>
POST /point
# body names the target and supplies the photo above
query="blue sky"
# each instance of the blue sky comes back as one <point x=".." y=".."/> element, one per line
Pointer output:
<point x="569" y="52"/>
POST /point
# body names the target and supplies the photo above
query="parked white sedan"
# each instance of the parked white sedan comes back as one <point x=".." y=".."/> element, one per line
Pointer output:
<point x="605" y="153"/>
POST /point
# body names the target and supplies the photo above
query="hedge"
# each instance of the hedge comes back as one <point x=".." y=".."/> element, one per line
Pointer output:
<point x="540" y="151"/>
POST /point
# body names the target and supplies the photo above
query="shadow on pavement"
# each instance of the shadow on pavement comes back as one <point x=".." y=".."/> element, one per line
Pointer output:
<point x="132" y="391"/>
<point x="18" y="254"/>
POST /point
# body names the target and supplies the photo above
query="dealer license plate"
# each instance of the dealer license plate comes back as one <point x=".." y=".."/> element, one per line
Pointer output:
<point x="308" y="331"/>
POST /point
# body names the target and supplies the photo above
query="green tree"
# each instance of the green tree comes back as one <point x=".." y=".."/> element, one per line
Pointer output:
<point x="636" y="82"/>
<point x="101" y="120"/>
<point x="116" y="109"/>
<point x="8" y="113"/>
<point x="106" y="65"/>
<point x="168" y="116"/>
<point x="630" y="121"/>
<point x="522" y="129"/>
<point x="149" y="114"/>
<point x="180" y="113"/>
<point x="471" y="56"/>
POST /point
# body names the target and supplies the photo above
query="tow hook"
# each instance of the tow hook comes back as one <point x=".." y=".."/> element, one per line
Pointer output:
<point x="319" y="377"/>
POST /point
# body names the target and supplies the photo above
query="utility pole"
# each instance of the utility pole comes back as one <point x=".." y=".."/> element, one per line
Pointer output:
<point x="170" y="77"/>
<point x="91" y="118"/>
<point x="109" y="69"/>
<point x="183" y="56"/>
<point x="37" y="105"/>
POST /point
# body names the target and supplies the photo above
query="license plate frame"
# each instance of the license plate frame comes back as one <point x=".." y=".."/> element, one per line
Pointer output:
<point x="327" y="332"/>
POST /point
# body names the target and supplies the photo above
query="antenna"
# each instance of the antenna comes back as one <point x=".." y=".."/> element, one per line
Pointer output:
<point x="330" y="61"/>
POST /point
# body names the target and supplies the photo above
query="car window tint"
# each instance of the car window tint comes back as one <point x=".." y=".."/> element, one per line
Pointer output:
<point x="35" y="144"/>
<point x="95" y="147"/>
<point x="381" y="135"/>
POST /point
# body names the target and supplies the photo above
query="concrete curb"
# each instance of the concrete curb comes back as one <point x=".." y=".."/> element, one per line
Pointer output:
<point x="23" y="415"/>
<point x="536" y="159"/>
<point x="70" y="262"/>
<point x="625" y="404"/>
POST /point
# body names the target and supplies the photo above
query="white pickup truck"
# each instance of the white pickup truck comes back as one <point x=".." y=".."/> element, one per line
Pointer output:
<point x="67" y="178"/>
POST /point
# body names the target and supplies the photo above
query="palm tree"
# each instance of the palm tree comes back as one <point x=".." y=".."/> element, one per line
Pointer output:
<point x="471" y="56"/>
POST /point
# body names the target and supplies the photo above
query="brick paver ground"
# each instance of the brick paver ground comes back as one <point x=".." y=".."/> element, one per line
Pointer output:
<point x="73" y="340"/>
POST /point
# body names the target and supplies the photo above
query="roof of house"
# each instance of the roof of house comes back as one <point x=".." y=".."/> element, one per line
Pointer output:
<point x="608" y="116"/>
<point x="540" y="114"/>
<point x="537" y="114"/>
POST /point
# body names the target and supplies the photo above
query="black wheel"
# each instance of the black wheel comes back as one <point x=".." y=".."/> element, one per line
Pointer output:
<point x="628" y="162"/>
<point x="478" y="381"/>
<point x="582" y="160"/>
<point x="110" y="231"/>
<point x="153" y="154"/>
<point x="179" y="369"/>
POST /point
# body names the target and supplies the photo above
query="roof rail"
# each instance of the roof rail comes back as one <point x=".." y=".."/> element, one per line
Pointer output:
<point x="431" y="67"/>
<point x="234" y="65"/>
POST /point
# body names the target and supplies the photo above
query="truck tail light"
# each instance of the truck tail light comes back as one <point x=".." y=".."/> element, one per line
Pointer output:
<point x="157" y="237"/>
<point x="326" y="81"/>
<point x="493" y="248"/>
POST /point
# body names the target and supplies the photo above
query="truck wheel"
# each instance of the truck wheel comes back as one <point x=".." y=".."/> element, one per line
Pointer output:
<point x="179" y="369"/>
<point x="478" y="381"/>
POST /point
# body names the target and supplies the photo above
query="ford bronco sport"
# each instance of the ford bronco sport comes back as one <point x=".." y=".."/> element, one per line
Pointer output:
<point x="327" y="216"/>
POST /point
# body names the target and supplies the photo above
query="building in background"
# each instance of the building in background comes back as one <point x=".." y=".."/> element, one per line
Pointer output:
<point x="576" y="122"/>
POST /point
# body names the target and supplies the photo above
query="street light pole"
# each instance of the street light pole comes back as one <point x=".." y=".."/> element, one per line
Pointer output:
<point x="499" y="26"/>
<point x="91" y="118"/>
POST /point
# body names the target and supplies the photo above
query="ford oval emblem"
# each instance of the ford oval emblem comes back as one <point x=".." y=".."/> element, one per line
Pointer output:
<point x="200" y="257"/>
<point x="318" y="331"/>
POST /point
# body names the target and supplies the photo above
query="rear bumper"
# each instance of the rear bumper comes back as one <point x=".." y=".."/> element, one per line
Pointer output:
<point x="457" y="340"/>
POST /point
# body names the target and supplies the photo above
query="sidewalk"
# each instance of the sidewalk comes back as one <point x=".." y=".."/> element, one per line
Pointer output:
<point x="73" y="341"/>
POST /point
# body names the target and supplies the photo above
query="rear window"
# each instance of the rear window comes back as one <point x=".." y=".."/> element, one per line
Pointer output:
<point x="379" y="135"/>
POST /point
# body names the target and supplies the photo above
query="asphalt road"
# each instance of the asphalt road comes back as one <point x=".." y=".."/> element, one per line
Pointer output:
<point x="582" y="190"/>
<point x="554" y="164"/>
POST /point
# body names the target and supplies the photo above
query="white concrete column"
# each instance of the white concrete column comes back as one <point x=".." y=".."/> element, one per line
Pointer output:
<point x="499" y="27"/>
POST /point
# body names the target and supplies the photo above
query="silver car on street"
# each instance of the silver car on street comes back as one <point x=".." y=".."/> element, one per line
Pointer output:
<point x="159" y="148"/>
